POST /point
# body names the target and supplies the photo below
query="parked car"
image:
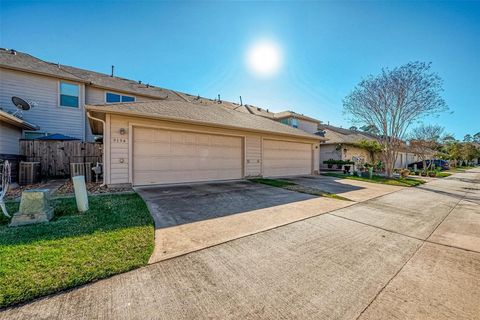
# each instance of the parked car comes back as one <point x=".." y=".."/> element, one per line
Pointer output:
<point x="438" y="164"/>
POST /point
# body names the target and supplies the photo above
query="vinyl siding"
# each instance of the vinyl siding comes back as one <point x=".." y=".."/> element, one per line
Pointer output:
<point x="48" y="115"/>
<point x="308" y="126"/>
<point x="9" y="139"/>
<point x="118" y="170"/>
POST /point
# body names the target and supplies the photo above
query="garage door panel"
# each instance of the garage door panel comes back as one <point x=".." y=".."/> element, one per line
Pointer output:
<point x="285" y="158"/>
<point x="162" y="156"/>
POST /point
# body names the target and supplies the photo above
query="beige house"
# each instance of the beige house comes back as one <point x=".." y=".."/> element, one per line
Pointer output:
<point x="163" y="142"/>
<point x="342" y="144"/>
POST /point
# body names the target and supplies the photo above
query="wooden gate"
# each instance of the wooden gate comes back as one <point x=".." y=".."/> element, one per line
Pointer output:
<point x="55" y="156"/>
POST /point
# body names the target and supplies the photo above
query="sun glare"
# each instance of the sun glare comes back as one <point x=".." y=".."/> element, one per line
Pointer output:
<point x="264" y="58"/>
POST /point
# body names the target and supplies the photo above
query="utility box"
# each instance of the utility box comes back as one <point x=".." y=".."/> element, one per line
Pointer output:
<point x="81" y="169"/>
<point x="29" y="173"/>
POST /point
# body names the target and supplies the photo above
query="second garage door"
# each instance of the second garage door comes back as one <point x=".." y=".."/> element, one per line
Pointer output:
<point x="285" y="158"/>
<point x="164" y="156"/>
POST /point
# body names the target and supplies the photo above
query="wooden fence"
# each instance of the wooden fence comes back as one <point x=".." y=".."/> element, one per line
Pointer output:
<point x="55" y="156"/>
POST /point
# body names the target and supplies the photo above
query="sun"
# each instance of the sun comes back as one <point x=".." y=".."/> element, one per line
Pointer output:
<point x="264" y="58"/>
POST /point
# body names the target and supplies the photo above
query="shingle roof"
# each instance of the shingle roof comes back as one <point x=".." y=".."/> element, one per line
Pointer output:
<point x="12" y="59"/>
<point x="214" y="115"/>
<point x="341" y="135"/>
<point x="15" y="121"/>
<point x="287" y="114"/>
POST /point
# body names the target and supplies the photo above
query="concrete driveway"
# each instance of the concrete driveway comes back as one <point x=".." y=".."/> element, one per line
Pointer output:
<point x="404" y="263"/>
<point x="352" y="189"/>
<point x="193" y="217"/>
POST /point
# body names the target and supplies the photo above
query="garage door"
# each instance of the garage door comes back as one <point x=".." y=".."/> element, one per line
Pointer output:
<point x="163" y="156"/>
<point x="283" y="158"/>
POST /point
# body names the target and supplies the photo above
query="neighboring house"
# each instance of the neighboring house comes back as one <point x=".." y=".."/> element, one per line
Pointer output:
<point x="162" y="142"/>
<point x="11" y="128"/>
<point x="59" y="93"/>
<point x="342" y="144"/>
<point x="289" y="118"/>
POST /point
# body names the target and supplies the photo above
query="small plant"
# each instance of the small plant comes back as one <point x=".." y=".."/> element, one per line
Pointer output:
<point x="432" y="174"/>
<point x="404" y="173"/>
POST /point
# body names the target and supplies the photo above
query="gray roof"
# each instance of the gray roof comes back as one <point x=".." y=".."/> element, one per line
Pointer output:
<point x="213" y="115"/>
<point x="17" y="122"/>
<point x="12" y="59"/>
<point x="336" y="135"/>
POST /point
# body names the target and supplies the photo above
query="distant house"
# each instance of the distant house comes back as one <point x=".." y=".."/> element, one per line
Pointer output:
<point x="344" y="144"/>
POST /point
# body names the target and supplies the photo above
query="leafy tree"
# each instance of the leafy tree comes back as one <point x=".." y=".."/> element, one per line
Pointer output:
<point x="468" y="138"/>
<point x="372" y="146"/>
<point x="470" y="151"/>
<point x="425" y="140"/>
<point x="370" y="128"/>
<point x="392" y="101"/>
<point x="476" y="137"/>
<point x="353" y="128"/>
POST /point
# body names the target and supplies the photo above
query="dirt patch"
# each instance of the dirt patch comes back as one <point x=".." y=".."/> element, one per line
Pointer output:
<point x="92" y="188"/>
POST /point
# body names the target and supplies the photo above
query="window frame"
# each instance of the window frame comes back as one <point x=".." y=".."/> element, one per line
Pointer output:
<point x="121" y="97"/>
<point x="60" y="94"/>
<point x="40" y="133"/>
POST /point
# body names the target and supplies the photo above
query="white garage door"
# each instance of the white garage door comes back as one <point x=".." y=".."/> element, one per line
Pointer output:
<point x="283" y="158"/>
<point x="162" y="156"/>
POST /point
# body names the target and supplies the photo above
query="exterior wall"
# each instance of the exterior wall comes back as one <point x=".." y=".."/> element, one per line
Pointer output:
<point x="404" y="159"/>
<point x="356" y="152"/>
<point x="48" y="115"/>
<point x="9" y="139"/>
<point x="95" y="95"/>
<point x="308" y="126"/>
<point x="118" y="147"/>
<point x="253" y="155"/>
<point x="327" y="152"/>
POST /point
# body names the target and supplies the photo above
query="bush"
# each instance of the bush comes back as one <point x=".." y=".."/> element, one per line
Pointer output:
<point x="404" y="173"/>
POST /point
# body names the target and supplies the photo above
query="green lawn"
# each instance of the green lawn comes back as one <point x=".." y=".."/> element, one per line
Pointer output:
<point x="442" y="174"/>
<point x="114" y="236"/>
<point x="408" y="182"/>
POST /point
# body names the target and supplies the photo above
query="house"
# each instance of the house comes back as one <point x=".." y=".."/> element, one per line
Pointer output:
<point x="11" y="128"/>
<point x="165" y="141"/>
<point x="289" y="118"/>
<point x="343" y="144"/>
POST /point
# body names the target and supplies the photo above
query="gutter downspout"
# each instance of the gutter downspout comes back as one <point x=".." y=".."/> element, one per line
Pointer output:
<point x="103" y="153"/>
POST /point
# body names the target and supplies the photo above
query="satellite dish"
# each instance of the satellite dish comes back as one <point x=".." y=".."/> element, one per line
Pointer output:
<point x="21" y="104"/>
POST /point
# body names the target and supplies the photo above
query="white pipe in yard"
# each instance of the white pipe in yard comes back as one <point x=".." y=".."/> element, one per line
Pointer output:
<point x="103" y="153"/>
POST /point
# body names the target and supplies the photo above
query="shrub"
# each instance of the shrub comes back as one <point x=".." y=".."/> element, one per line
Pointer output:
<point x="404" y="173"/>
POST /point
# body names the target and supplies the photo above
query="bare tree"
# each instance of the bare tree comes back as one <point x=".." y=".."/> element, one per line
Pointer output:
<point x="392" y="101"/>
<point x="424" y="140"/>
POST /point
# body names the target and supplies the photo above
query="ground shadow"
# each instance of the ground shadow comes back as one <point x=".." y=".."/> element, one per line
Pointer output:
<point x="176" y="205"/>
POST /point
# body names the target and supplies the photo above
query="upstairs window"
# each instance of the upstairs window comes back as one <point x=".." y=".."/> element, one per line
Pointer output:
<point x="115" y="97"/>
<point x="294" y="122"/>
<point x="69" y="95"/>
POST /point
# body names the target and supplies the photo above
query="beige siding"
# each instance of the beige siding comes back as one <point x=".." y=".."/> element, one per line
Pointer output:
<point x="119" y="170"/>
<point x="327" y="152"/>
<point x="9" y="139"/>
<point x="308" y="126"/>
<point x="253" y="155"/>
<point x="48" y="115"/>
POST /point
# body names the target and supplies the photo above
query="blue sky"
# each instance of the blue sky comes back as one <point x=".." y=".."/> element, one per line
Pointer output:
<point x="200" y="47"/>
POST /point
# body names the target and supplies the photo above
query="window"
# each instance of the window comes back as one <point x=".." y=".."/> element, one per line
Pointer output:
<point x="285" y="121"/>
<point x="69" y="95"/>
<point x="30" y="135"/>
<point x="114" y="97"/>
<point x="294" y="123"/>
